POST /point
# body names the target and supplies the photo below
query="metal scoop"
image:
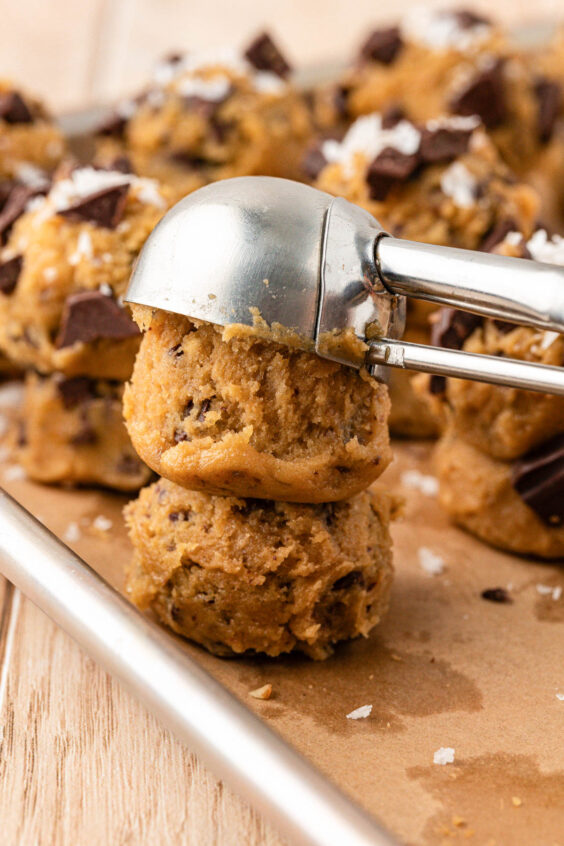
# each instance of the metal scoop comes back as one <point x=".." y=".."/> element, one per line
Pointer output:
<point x="274" y="253"/>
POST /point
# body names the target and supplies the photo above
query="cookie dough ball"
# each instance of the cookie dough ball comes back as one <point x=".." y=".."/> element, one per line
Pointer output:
<point x="452" y="62"/>
<point x="224" y="411"/>
<point x="441" y="182"/>
<point x="245" y="576"/>
<point x="72" y="432"/>
<point x="30" y="142"/>
<point x="503" y="422"/>
<point x="516" y="506"/>
<point x="213" y="115"/>
<point x="65" y="267"/>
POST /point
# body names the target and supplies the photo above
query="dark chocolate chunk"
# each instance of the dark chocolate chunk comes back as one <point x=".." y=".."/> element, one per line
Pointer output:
<point x="453" y="327"/>
<point x="113" y="126"/>
<point x="549" y="99"/>
<point x="122" y="164"/>
<point x="389" y="166"/>
<point x="355" y="577"/>
<point x="497" y="234"/>
<point x="13" y="108"/>
<point x="392" y="116"/>
<point x="10" y="273"/>
<point x="437" y="385"/>
<point x="128" y="464"/>
<point x="264" y="55"/>
<point x="504" y="327"/>
<point x="14" y="207"/>
<point x="497" y="594"/>
<point x="104" y="208"/>
<point x="204" y="408"/>
<point x="341" y="100"/>
<point x="484" y="96"/>
<point x="538" y="478"/>
<point x="76" y="390"/>
<point x="86" y="435"/>
<point x="90" y="316"/>
<point x="467" y="19"/>
<point x="176" y="351"/>
<point x="444" y="143"/>
<point x="313" y="162"/>
<point x="175" y="516"/>
<point x="180" y="436"/>
<point x="188" y="160"/>
<point x="382" y="45"/>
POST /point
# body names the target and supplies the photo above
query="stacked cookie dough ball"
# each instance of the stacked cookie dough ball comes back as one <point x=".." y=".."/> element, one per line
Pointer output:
<point x="500" y="459"/>
<point x="260" y="537"/>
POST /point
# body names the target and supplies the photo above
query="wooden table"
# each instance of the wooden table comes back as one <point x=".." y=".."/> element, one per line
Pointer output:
<point x="80" y="761"/>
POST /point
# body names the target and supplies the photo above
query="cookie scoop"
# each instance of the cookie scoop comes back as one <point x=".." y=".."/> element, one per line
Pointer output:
<point x="302" y="267"/>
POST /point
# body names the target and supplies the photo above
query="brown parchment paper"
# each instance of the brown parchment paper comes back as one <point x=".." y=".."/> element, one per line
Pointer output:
<point x="446" y="669"/>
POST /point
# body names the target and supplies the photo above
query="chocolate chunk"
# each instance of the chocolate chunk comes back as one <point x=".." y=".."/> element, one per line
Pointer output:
<point x="453" y="327"/>
<point x="497" y="594"/>
<point x="104" y="208"/>
<point x="444" y="143"/>
<point x="176" y="351"/>
<point x="129" y="465"/>
<point x="313" y="162"/>
<point x="175" y="516"/>
<point x="90" y="316"/>
<point x="122" y="164"/>
<point x="204" y="408"/>
<point x="9" y="274"/>
<point x="13" y="108"/>
<point x="86" y="435"/>
<point x="483" y="96"/>
<point x="437" y="385"/>
<point x="188" y="160"/>
<point x="497" y="234"/>
<point x="467" y="19"/>
<point x="388" y="167"/>
<point x="264" y="55"/>
<point x="503" y="326"/>
<point x="341" y="95"/>
<point x="112" y="126"/>
<point x="219" y="129"/>
<point x="549" y="99"/>
<point x="76" y="391"/>
<point x="14" y="207"/>
<point x="355" y="577"/>
<point x="382" y="45"/>
<point x="392" y="116"/>
<point x="180" y="436"/>
<point x="538" y="478"/>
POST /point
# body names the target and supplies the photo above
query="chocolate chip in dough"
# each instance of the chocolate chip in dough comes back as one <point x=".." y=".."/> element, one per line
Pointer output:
<point x="10" y="273"/>
<point x="452" y="327"/>
<point x="549" y="99"/>
<point x="264" y="55"/>
<point x="313" y="162"/>
<point x="538" y="478"/>
<point x="444" y="144"/>
<point x="76" y="391"/>
<point x="13" y="108"/>
<point x="90" y="316"/>
<point x="14" y="207"/>
<point x="389" y="166"/>
<point x="484" y="96"/>
<point x="103" y="208"/>
<point x="382" y="45"/>
<point x="393" y="115"/>
<point x="467" y="19"/>
<point x="497" y="234"/>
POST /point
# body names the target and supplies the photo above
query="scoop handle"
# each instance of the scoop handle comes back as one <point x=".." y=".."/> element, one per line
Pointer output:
<point x="511" y="289"/>
<point x="509" y="372"/>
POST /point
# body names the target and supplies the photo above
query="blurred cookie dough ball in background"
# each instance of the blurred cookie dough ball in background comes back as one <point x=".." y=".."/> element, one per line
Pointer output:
<point x="211" y="115"/>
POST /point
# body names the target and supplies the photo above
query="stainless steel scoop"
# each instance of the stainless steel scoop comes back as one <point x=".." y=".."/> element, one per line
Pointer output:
<point x="274" y="253"/>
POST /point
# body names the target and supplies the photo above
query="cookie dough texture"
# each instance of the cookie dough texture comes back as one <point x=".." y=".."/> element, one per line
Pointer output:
<point x="223" y="411"/>
<point x="214" y="115"/>
<point x="71" y="254"/>
<point x="505" y="422"/>
<point x="251" y="576"/>
<point x="477" y="493"/>
<point x="72" y="432"/>
<point x="30" y="142"/>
